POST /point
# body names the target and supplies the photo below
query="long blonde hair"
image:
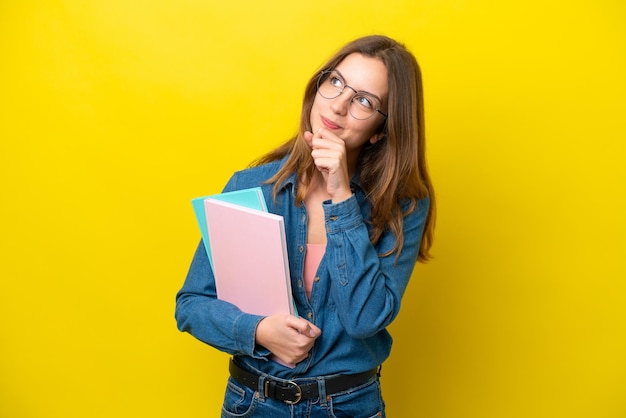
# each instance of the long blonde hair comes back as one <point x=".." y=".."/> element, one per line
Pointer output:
<point x="393" y="169"/>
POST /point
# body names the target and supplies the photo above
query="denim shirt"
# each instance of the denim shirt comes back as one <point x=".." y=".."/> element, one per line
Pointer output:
<point x="355" y="296"/>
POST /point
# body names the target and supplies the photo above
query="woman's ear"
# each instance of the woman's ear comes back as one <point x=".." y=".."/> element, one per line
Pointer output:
<point x="377" y="137"/>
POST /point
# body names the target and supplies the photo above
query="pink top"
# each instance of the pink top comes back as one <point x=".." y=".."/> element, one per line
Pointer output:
<point x="312" y="260"/>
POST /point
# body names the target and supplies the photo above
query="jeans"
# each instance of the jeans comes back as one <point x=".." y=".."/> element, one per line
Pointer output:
<point x="364" y="401"/>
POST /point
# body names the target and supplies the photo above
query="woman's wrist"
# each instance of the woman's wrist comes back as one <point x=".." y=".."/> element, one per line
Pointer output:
<point x="340" y="197"/>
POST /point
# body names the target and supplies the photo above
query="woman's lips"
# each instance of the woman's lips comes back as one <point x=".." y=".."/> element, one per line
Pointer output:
<point x="329" y="124"/>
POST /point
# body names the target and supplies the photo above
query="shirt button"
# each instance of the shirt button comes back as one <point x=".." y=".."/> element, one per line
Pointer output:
<point x="301" y="248"/>
<point x="309" y="315"/>
<point x="317" y="278"/>
<point x="299" y="283"/>
<point x="334" y="218"/>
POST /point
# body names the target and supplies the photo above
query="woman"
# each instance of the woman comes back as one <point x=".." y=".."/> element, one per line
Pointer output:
<point x="359" y="211"/>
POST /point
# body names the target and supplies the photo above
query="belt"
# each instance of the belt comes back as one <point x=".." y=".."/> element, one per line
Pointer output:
<point x="291" y="392"/>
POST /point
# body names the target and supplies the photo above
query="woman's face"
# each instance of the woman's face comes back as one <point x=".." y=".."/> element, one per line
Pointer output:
<point x="363" y="74"/>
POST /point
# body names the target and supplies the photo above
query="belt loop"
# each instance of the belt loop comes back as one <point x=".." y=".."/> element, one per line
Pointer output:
<point x="262" y="388"/>
<point x="321" y="387"/>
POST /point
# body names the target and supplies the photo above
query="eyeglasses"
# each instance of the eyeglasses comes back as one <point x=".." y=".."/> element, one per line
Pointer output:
<point x="363" y="105"/>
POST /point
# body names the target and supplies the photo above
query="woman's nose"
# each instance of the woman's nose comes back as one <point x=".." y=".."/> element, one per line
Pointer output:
<point x="341" y="103"/>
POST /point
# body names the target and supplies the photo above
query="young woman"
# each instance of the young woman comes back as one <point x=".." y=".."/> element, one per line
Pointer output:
<point x="359" y="211"/>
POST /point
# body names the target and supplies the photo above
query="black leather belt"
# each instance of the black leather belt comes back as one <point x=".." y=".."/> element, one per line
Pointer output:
<point x="291" y="392"/>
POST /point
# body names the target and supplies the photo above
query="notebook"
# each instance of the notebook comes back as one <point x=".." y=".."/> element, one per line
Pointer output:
<point x="250" y="260"/>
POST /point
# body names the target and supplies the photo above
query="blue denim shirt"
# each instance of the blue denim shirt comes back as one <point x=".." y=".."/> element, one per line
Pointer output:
<point x="357" y="295"/>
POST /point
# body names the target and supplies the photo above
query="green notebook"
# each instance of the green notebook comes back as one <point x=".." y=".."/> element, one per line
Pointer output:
<point x="251" y="198"/>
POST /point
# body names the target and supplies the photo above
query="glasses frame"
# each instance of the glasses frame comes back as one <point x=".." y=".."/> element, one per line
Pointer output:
<point x="328" y="72"/>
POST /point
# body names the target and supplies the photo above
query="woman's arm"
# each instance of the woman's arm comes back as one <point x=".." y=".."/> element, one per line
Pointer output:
<point x="367" y="289"/>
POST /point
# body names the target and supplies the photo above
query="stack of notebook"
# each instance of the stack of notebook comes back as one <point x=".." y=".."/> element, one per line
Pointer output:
<point x="247" y="250"/>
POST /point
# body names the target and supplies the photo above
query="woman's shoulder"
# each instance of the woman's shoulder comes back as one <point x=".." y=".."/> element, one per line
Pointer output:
<point x="255" y="175"/>
<point x="259" y="172"/>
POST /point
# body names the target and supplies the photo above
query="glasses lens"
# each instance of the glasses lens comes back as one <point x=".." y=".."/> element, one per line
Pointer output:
<point x="330" y="85"/>
<point x="363" y="106"/>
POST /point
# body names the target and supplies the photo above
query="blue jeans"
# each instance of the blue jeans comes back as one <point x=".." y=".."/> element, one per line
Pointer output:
<point x="364" y="401"/>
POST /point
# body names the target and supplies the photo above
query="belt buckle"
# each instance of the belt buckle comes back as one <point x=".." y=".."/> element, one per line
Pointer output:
<point x="298" y="394"/>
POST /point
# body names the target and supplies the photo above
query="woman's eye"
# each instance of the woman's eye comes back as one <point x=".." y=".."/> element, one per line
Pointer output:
<point x="336" y="82"/>
<point x="364" y="101"/>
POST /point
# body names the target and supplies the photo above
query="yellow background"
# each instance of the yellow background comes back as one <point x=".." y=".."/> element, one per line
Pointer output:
<point x="115" y="113"/>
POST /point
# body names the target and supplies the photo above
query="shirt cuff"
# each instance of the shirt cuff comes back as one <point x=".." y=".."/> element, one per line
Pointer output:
<point x="343" y="215"/>
<point x="245" y="332"/>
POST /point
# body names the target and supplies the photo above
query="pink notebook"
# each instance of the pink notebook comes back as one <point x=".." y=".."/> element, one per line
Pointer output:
<point x="249" y="258"/>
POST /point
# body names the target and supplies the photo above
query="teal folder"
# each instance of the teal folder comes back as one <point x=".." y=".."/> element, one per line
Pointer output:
<point x="250" y="198"/>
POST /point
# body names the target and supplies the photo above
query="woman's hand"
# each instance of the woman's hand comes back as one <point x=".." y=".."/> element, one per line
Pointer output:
<point x="287" y="337"/>
<point x="329" y="153"/>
